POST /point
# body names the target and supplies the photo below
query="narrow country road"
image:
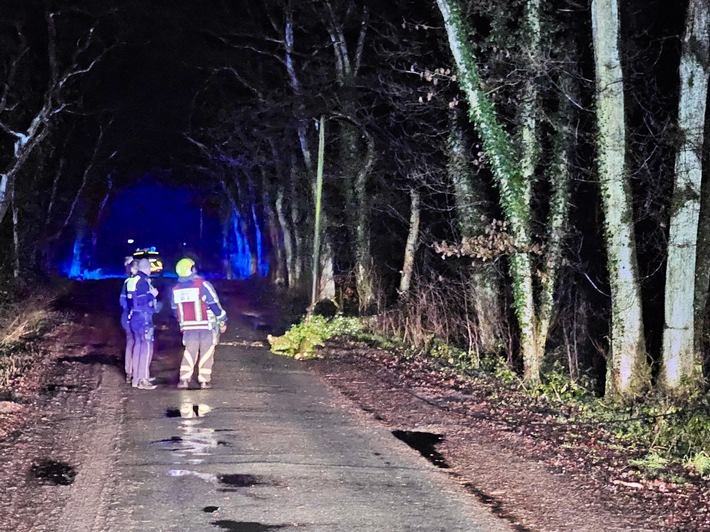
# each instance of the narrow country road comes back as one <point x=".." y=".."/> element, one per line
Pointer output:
<point x="270" y="447"/>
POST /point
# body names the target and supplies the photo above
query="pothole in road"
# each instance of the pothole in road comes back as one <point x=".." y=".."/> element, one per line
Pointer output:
<point x="244" y="526"/>
<point x="91" y="358"/>
<point x="425" y="443"/>
<point x="11" y="397"/>
<point x="54" y="388"/>
<point x="54" y="472"/>
<point x="210" y="509"/>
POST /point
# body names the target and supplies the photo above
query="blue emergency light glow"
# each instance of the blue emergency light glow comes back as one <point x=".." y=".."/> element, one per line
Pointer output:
<point x="75" y="266"/>
<point x="240" y="258"/>
<point x="262" y="264"/>
<point x="169" y="223"/>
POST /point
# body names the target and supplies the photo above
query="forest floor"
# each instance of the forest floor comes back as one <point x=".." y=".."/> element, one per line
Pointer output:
<point x="520" y="455"/>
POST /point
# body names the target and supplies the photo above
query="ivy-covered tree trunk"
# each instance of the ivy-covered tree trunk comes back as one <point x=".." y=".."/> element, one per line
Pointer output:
<point x="559" y="178"/>
<point x="484" y="285"/>
<point x="529" y="138"/>
<point x="627" y="370"/>
<point x="508" y="178"/>
<point x="682" y="364"/>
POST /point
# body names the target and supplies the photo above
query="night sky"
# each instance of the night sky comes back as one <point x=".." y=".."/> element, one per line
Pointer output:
<point x="158" y="59"/>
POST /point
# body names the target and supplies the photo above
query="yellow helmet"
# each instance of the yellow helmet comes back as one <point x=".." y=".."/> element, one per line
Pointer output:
<point x="184" y="267"/>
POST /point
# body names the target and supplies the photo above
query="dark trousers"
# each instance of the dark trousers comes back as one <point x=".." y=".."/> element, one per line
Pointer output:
<point x="141" y="326"/>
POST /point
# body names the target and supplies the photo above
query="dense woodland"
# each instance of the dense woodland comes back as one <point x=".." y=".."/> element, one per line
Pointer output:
<point x="519" y="179"/>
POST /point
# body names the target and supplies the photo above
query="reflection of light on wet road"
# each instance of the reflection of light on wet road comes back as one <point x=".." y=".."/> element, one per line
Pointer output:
<point x="196" y="441"/>
<point x="189" y="410"/>
<point x="209" y="477"/>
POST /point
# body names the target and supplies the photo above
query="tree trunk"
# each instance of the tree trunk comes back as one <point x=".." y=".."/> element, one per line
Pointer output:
<point x="484" y="283"/>
<point x="559" y="179"/>
<point x="410" y="248"/>
<point x="529" y="139"/>
<point x="299" y="239"/>
<point x="226" y="249"/>
<point x="507" y="177"/>
<point x="682" y="363"/>
<point x="702" y="261"/>
<point x="327" y="284"/>
<point x="364" y="265"/>
<point x="627" y="370"/>
<point x="15" y="237"/>
<point x="277" y="238"/>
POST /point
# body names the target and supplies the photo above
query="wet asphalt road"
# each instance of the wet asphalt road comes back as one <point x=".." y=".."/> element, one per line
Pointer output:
<point x="270" y="447"/>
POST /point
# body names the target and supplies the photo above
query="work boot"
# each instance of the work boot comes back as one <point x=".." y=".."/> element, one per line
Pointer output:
<point x="183" y="385"/>
<point x="205" y="385"/>
<point x="143" y="384"/>
<point x="129" y="379"/>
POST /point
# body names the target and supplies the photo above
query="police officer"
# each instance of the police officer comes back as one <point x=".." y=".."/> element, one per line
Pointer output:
<point x="131" y="270"/>
<point x="140" y="318"/>
<point x="202" y="319"/>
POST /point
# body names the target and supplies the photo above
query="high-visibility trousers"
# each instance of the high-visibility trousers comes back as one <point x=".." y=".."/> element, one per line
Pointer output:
<point x="199" y="351"/>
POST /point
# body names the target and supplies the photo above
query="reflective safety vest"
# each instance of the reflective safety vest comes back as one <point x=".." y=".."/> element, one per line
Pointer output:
<point x="143" y="302"/>
<point x="192" y="310"/>
<point x="130" y="285"/>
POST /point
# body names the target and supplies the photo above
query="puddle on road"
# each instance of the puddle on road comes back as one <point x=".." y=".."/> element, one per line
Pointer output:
<point x="245" y="526"/>
<point x="233" y="481"/>
<point x="210" y="509"/>
<point x="239" y="481"/>
<point x="92" y="358"/>
<point x="425" y="443"/>
<point x="168" y="441"/>
<point x="53" y="472"/>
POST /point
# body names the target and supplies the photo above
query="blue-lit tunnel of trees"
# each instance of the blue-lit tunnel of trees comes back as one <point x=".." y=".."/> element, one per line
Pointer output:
<point x="176" y="221"/>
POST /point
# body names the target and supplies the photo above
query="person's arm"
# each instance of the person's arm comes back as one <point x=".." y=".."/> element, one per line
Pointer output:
<point x="212" y="302"/>
<point x="123" y="298"/>
<point x="173" y="305"/>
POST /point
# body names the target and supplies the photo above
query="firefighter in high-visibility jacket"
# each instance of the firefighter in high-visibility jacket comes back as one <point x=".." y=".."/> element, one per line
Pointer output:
<point x="202" y="319"/>
<point x="142" y="297"/>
